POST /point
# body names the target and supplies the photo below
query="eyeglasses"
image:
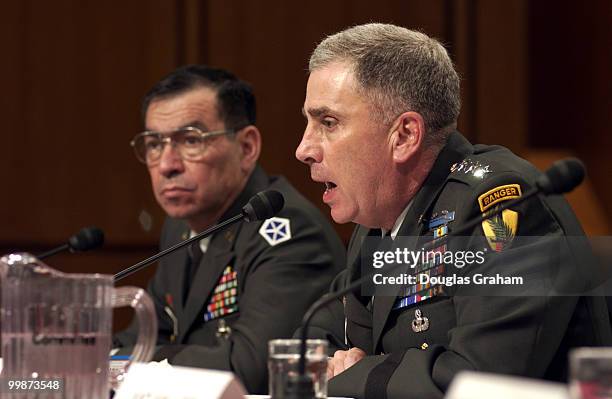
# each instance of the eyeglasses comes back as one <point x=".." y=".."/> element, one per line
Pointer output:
<point x="189" y="141"/>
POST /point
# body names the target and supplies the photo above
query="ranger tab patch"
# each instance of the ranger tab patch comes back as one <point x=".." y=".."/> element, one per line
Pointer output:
<point x="499" y="194"/>
<point x="276" y="230"/>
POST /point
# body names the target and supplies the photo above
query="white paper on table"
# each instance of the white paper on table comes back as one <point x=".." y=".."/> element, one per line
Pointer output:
<point x="473" y="385"/>
<point x="153" y="380"/>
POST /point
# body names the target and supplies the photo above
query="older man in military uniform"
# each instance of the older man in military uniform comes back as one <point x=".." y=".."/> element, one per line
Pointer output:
<point x="382" y="104"/>
<point x="220" y="302"/>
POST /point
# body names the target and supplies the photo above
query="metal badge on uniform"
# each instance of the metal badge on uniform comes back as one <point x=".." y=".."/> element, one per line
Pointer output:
<point x="276" y="230"/>
<point x="438" y="224"/>
<point x="419" y="324"/>
<point x="223" y="330"/>
<point x="500" y="230"/>
<point x="224" y="300"/>
<point x="471" y="167"/>
<point x="229" y="235"/>
<point x="442" y="218"/>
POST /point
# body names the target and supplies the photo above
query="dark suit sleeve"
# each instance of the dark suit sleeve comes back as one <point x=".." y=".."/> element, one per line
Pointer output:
<point x="514" y="334"/>
<point x="281" y="282"/>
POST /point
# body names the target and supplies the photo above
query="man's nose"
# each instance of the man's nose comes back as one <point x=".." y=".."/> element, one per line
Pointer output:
<point x="170" y="161"/>
<point x="309" y="150"/>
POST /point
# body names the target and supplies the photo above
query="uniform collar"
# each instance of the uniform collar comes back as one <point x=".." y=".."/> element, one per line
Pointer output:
<point x="398" y="223"/>
<point x="203" y="242"/>
<point x="456" y="149"/>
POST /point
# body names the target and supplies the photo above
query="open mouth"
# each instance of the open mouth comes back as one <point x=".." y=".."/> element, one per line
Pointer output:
<point x="330" y="191"/>
<point x="329" y="186"/>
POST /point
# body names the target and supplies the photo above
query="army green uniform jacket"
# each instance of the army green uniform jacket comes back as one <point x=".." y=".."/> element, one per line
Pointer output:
<point x="416" y="346"/>
<point x="253" y="284"/>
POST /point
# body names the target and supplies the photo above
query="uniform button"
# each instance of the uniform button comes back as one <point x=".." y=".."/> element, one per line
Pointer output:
<point x="424" y="346"/>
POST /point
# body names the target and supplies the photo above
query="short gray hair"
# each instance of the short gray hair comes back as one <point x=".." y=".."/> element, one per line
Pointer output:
<point x="398" y="70"/>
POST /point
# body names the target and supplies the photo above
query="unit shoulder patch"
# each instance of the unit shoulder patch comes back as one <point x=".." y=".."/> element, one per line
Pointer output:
<point x="498" y="194"/>
<point x="500" y="230"/>
<point x="276" y="230"/>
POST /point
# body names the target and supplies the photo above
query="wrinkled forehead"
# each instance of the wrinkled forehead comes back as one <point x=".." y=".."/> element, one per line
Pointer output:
<point x="333" y="87"/>
<point x="334" y="74"/>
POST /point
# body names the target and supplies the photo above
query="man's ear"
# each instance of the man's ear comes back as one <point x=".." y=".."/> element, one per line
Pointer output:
<point x="408" y="136"/>
<point x="249" y="140"/>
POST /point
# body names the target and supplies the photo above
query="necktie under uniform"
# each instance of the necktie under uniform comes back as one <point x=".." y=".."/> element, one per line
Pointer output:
<point x="194" y="256"/>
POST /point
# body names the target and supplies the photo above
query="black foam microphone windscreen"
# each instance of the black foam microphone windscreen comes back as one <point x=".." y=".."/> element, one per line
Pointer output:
<point x="263" y="205"/>
<point x="562" y="177"/>
<point x="86" y="239"/>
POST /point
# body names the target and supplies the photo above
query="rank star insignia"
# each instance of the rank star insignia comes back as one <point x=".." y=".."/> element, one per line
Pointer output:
<point x="501" y="229"/>
<point x="471" y="167"/>
<point x="276" y="230"/>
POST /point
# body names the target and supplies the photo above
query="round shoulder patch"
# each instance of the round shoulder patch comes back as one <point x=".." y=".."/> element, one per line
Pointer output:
<point x="276" y="230"/>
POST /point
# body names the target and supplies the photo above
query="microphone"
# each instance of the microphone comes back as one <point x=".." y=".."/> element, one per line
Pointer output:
<point x="563" y="176"/>
<point x="261" y="206"/>
<point x="86" y="239"/>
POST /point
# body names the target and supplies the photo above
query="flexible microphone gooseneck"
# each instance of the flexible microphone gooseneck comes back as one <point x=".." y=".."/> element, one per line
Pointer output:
<point x="562" y="177"/>
<point x="261" y="206"/>
<point x="86" y="239"/>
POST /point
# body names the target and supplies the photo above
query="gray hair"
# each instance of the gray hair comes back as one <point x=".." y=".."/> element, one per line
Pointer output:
<point x="398" y="70"/>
